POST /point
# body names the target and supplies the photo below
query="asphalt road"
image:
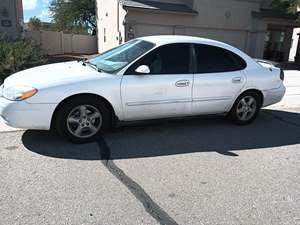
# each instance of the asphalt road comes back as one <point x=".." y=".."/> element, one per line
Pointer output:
<point x="188" y="172"/>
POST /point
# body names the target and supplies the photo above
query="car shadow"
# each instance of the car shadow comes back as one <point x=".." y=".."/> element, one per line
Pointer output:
<point x="171" y="137"/>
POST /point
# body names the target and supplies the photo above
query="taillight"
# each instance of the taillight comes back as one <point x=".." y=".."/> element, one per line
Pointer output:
<point x="281" y="75"/>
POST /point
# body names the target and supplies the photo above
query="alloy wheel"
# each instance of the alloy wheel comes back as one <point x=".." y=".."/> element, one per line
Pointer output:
<point x="246" y="108"/>
<point x="84" y="121"/>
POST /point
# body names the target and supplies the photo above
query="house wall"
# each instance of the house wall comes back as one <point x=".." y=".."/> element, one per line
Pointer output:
<point x="11" y="18"/>
<point x="231" y="22"/>
<point x="287" y="44"/>
<point x="111" y="30"/>
<point x="294" y="44"/>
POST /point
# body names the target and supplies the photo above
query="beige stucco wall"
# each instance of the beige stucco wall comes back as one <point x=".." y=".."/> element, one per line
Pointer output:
<point x="231" y="22"/>
<point x="287" y="44"/>
<point x="294" y="45"/>
<point x="11" y="10"/>
<point x="110" y="17"/>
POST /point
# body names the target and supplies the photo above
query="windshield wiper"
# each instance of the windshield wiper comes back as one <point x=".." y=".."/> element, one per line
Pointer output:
<point x="84" y="63"/>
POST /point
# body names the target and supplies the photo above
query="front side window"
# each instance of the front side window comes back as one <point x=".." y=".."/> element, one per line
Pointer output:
<point x="168" y="59"/>
<point x="211" y="59"/>
<point x="119" y="57"/>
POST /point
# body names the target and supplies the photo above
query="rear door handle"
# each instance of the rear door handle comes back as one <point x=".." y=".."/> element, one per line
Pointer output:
<point x="182" y="83"/>
<point x="236" y="80"/>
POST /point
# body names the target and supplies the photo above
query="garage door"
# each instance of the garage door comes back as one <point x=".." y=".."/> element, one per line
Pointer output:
<point x="148" y="30"/>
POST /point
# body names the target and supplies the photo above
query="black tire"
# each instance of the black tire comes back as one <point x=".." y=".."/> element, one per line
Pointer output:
<point x="236" y="118"/>
<point x="62" y="115"/>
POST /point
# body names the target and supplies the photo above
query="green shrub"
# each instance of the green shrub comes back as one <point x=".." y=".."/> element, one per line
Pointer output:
<point x="18" y="55"/>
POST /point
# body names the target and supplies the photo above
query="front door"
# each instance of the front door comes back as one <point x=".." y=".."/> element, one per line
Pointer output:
<point x="166" y="91"/>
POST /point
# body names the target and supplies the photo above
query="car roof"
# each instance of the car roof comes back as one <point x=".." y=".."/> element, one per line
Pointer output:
<point x="168" y="39"/>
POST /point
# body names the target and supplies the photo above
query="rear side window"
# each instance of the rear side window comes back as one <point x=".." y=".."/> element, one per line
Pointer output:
<point x="211" y="59"/>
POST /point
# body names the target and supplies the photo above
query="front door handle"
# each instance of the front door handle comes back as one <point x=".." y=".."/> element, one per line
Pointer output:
<point x="236" y="80"/>
<point x="182" y="83"/>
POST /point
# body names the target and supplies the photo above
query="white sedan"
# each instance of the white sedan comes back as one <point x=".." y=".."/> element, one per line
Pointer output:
<point x="146" y="78"/>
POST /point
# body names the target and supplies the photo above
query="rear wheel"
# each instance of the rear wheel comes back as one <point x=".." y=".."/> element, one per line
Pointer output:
<point x="82" y="120"/>
<point x="245" y="109"/>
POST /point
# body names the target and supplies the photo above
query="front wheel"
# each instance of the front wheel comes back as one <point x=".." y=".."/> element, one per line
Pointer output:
<point x="82" y="120"/>
<point x="245" y="109"/>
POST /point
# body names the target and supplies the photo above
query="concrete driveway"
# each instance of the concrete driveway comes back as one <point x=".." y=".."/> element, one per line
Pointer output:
<point x="194" y="171"/>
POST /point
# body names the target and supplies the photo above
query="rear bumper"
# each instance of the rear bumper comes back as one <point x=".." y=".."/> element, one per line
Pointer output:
<point x="273" y="96"/>
<point x="21" y="114"/>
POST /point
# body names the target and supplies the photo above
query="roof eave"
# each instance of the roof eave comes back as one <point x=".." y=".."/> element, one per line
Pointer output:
<point x="191" y="13"/>
<point x="274" y="15"/>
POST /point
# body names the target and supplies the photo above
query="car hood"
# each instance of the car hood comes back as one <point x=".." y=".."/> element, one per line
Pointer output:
<point x="52" y="74"/>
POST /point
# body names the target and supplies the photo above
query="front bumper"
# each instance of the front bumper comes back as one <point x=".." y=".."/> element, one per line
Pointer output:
<point x="5" y="106"/>
<point x="2" y="120"/>
<point x="21" y="114"/>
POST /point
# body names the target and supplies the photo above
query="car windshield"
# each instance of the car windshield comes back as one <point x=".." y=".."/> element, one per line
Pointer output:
<point x="119" y="57"/>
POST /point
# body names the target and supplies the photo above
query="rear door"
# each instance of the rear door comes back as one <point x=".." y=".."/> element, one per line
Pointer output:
<point x="166" y="91"/>
<point x="218" y="79"/>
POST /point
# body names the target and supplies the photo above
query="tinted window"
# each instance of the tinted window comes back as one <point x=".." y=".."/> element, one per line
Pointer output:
<point x="169" y="59"/>
<point x="212" y="59"/>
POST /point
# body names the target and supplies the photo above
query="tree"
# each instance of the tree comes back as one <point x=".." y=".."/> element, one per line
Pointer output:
<point x="74" y="15"/>
<point x="34" y="23"/>
<point x="294" y="5"/>
<point x="288" y="6"/>
<point x="18" y="55"/>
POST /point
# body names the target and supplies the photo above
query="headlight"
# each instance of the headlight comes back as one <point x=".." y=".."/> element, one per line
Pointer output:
<point x="18" y="93"/>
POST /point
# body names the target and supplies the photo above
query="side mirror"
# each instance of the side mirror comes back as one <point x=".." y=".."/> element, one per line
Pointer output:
<point x="143" y="69"/>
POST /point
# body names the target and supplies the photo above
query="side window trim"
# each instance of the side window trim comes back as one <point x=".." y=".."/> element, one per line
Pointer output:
<point x="191" y="63"/>
<point x="194" y="66"/>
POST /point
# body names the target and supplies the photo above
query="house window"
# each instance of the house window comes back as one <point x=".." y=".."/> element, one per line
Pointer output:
<point x="6" y="23"/>
<point x="4" y="12"/>
<point x="104" y="34"/>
